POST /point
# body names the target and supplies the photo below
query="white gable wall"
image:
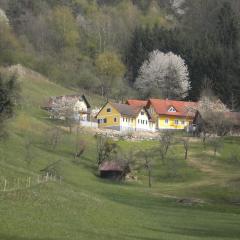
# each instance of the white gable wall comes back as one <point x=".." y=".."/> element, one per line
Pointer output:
<point x="143" y="123"/>
<point x="80" y="106"/>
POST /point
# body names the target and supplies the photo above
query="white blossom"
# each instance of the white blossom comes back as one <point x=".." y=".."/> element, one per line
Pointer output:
<point x="164" y="74"/>
<point x="3" y="17"/>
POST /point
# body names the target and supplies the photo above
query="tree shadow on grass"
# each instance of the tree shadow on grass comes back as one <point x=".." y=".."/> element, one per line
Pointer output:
<point x="136" y="200"/>
<point x="136" y="237"/>
<point x="202" y="232"/>
<point x="188" y="232"/>
<point x="9" y="237"/>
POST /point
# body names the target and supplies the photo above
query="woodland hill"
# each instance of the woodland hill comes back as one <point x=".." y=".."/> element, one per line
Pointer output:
<point x="100" y="45"/>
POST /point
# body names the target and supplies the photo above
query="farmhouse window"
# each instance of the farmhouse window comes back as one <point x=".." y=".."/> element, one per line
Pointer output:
<point x="171" y="109"/>
<point x="176" y="122"/>
<point x="183" y="122"/>
<point x="108" y="109"/>
<point x="142" y="113"/>
<point x="105" y="120"/>
<point x="115" y="119"/>
<point x="166" y="121"/>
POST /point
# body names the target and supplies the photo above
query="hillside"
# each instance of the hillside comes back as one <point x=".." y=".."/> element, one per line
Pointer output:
<point x="79" y="205"/>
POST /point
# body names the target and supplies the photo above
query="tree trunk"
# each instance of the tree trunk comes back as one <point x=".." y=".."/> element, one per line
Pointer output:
<point x="215" y="152"/>
<point x="186" y="154"/>
<point x="149" y="178"/>
<point x="204" y="140"/>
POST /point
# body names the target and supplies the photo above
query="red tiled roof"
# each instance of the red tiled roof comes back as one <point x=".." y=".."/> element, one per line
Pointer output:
<point x="183" y="109"/>
<point x="137" y="103"/>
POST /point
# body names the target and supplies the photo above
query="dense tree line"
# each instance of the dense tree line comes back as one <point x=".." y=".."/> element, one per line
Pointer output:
<point x="208" y="43"/>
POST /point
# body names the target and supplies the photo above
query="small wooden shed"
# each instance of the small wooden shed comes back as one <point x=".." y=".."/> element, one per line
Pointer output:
<point x="112" y="170"/>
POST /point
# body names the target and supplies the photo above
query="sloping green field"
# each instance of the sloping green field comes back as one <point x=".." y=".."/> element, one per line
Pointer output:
<point x="82" y="206"/>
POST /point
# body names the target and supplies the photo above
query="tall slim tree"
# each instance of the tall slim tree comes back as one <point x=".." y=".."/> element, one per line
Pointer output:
<point x="8" y="99"/>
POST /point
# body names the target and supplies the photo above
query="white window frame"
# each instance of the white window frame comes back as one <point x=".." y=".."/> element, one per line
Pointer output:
<point x="171" y="109"/>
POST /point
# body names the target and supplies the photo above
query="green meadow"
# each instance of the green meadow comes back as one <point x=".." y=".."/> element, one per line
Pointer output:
<point x="80" y="205"/>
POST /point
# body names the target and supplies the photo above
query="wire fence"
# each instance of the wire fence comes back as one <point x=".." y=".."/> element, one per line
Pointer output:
<point x="21" y="183"/>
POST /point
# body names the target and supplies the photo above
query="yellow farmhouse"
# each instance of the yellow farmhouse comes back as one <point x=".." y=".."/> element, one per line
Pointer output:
<point x="124" y="117"/>
<point x="168" y="114"/>
<point x="151" y="115"/>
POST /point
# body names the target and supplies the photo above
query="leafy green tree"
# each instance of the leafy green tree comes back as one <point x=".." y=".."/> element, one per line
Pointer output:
<point x="8" y="45"/>
<point x="111" y="69"/>
<point x="65" y="28"/>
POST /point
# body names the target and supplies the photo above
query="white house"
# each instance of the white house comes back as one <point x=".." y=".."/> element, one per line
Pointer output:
<point x="73" y="106"/>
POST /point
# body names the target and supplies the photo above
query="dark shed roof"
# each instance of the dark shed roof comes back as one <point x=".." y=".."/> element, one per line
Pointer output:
<point x="111" y="166"/>
<point x="127" y="110"/>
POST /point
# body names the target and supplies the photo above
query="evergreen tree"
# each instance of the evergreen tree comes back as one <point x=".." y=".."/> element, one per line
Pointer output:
<point x="8" y="99"/>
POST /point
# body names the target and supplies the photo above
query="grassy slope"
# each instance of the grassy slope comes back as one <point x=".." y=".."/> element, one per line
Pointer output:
<point x="84" y="207"/>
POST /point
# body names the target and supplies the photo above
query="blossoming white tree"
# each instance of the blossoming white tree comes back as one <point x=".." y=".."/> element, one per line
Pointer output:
<point x="163" y="75"/>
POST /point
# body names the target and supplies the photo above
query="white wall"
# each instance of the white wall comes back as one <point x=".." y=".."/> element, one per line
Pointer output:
<point x="89" y="124"/>
<point x="142" y="122"/>
<point x="80" y="106"/>
<point x="127" y="124"/>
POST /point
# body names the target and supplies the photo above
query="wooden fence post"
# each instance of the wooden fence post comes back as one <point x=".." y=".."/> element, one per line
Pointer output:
<point x="27" y="182"/>
<point x="5" y="185"/>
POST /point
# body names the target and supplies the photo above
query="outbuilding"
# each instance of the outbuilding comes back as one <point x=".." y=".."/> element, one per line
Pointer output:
<point x="113" y="170"/>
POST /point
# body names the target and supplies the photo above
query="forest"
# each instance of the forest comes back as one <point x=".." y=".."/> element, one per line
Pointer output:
<point x="100" y="46"/>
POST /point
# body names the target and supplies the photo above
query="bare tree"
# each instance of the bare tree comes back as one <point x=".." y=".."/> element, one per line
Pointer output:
<point x="148" y="167"/>
<point x="186" y="144"/>
<point x="147" y="156"/>
<point x="165" y="141"/>
<point x="80" y="149"/>
<point x="216" y="143"/>
<point x="212" y="114"/>
<point x="53" y="137"/>
<point x="106" y="148"/>
<point x="81" y="144"/>
<point x="28" y="149"/>
<point x="165" y="75"/>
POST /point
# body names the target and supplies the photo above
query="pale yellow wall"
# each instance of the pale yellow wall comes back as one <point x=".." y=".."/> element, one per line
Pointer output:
<point x="171" y="122"/>
<point x="109" y="116"/>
